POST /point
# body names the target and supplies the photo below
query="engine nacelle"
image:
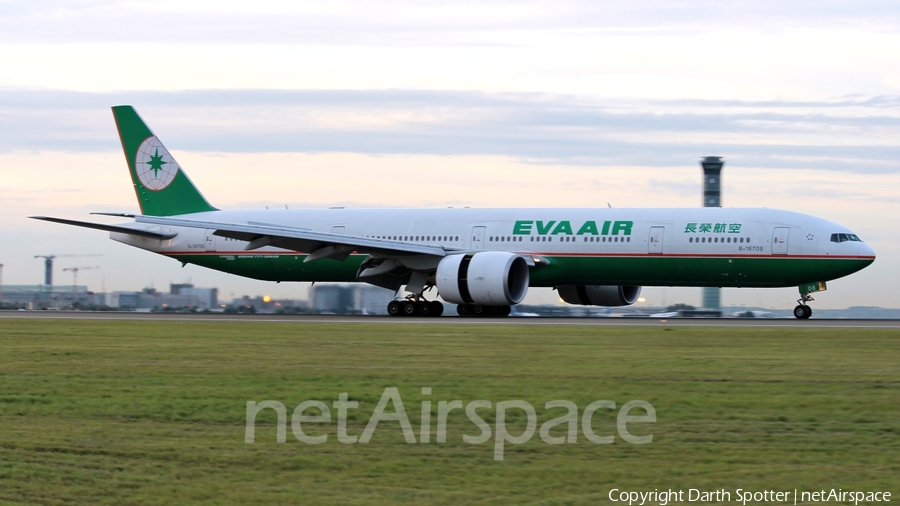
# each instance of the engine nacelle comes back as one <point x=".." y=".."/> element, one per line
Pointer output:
<point x="489" y="278"/>
<point x="596" y="295"/>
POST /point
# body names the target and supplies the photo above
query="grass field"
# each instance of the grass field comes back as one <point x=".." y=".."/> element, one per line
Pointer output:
<point x="142" y="412"/>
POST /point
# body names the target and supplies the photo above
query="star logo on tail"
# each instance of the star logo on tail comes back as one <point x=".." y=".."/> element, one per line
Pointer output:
<point x="156" y="163"/>
<point x="154" y="166"/>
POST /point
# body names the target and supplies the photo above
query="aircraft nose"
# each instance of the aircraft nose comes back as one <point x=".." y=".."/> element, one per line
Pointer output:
<point x="866" y="251"/>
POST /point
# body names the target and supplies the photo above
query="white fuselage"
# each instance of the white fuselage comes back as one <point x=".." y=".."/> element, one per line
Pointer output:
<point x="680" y="236"/>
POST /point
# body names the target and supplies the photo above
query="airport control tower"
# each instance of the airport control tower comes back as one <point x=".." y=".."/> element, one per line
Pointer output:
<point x="712" y="197"/>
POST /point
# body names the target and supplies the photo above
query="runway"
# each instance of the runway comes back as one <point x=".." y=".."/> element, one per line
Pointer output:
<point x="455" y="320"/>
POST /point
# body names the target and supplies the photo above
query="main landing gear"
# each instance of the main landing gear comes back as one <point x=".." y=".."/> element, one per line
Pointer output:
<point x="803" y="311"/>
<point x="479" y="310"/>
<point x="415" y="306"/>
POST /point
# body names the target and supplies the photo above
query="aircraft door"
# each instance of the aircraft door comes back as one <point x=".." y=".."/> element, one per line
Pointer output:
<point x="210" y="240"/>
<point x="655" y="242"/>
<point x="780" y="240"/>
<point x="477" y="238"/>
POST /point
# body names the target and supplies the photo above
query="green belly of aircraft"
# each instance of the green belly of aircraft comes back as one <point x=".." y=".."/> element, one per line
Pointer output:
<point x="775" y="271"/>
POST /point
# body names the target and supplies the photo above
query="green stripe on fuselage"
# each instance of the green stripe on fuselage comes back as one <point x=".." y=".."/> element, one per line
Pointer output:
<point x="692" y="271"/>
<point x="770" y="272"/>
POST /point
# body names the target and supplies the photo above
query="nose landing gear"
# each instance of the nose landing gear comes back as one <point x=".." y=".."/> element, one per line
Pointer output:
<point x="803" y="311"/>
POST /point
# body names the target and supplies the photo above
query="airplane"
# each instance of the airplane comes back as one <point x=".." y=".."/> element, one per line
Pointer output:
<point x="483" y="260"/>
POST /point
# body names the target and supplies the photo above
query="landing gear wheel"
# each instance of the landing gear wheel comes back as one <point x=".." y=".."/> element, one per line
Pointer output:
<point x="437" y="309"/>
<point x="802" y="312"/>
<point x="492" y="311"/>
<point x="423" y="308"/>
<point x="394" y="308"/>
<point x="408" y="308"/>
<point x="463" y="310"/>
<point x="505" y="310"/>
<point x="477" y="309"/>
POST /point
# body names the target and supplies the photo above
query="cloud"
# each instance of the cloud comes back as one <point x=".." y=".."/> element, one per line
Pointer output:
<point x="851" y="134"/>
<point x="408" y="22"/>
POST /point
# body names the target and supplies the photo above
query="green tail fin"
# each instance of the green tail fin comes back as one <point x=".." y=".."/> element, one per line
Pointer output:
<point x="161" y="185"/>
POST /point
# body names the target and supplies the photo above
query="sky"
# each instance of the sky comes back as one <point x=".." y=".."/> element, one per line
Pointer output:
<point x="434" y="104"/>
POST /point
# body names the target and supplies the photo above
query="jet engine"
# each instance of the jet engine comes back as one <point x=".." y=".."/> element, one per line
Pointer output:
<point x="488" y="278"/>
<point x="596" y="295"/>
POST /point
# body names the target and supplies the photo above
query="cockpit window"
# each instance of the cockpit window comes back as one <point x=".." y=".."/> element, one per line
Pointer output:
<point x="845" y="237"/>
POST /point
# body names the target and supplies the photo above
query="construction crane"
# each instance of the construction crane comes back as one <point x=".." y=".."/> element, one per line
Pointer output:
<point x="48" y="266"/>
<point x="74" y="271"/>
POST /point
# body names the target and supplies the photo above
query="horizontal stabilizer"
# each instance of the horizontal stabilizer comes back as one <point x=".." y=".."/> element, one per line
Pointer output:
<point x="117" y="215"/>
<point x="110" y="228"/>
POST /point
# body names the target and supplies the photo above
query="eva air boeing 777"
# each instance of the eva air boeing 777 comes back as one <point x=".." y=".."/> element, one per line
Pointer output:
<point x="484" y="260"/>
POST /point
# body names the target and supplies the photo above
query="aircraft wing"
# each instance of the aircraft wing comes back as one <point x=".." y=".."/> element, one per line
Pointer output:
<point x="110" y="228"/>
<point x="317" y="244"/>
